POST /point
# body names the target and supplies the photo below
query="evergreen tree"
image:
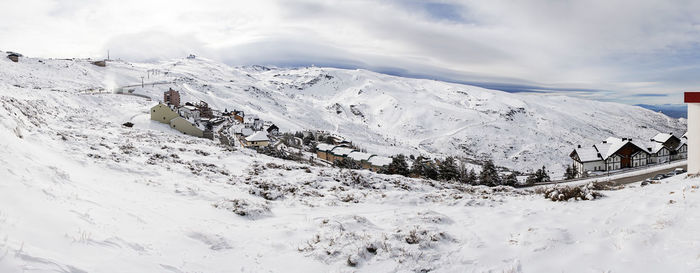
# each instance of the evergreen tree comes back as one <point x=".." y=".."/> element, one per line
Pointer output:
<point x="511" y="180"/>
<point x="489" y="175"/>
<point x="472" y="178"/>
<point x="308" y="139"/>
<point x="531" y="179"/>
<point x="431" y="171"/>
<point x="398" y="165"/>
<point x="570" y="172"/>
<point x="448" y="169"/>
<point x="347" y="163"/>
<point x="542" y="175"/>
<point x="418" y="167"/>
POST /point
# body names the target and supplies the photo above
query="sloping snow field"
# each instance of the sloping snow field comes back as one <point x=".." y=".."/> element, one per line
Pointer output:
<point x="81" y="193"/>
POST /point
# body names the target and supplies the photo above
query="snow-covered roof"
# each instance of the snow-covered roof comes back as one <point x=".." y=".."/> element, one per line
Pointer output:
<point x="359" y="156"/>
<point x="324" y="147"/>
<point x="247" y="131"/>
<point x="380" y="161"/>
<point x="685" y="135"/>
<point x="661" y="137"/>
<point x="613" y="139"/>
<point x="190" y="107"/>
<point x="342" y="151"/>
<point x="684" y="141"/>
<point x="258" y="136"/>
<point x="587" y="154"/>
<point x="611" y="145"/>
<point x="654" y="147"/>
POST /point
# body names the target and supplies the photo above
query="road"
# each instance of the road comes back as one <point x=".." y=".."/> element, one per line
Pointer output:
<point x="641" y="177"/>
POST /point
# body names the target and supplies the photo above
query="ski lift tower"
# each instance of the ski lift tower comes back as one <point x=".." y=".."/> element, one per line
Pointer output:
<point x="693" y="101"/>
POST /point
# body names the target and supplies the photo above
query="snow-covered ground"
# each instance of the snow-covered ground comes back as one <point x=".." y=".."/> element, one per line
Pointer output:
<point x="384" y="114"/>
<point x="81" y="193"/>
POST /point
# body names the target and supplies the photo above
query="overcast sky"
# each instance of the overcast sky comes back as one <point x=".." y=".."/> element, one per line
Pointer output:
<point x="629" y="51"/>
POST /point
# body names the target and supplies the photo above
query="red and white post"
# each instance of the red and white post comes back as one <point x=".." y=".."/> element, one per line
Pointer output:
<point x="693" y="101"/>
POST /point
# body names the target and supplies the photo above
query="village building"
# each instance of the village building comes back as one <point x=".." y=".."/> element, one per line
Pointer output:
<point x="163" y="113"/>
<point x="659" y="153"/>
<point x="323" y="151"/>
<point x="669" y="140"/>
<point x="253" y="122"/>
<point x="171" y="97"/>
<point x="272" y="129"/>
<point x="258" y="139"/>
<point x="609" y="155"/>
<point x="378" y="163"/>
<point x="245" y="131"/>
<point x="238" y="116"/>
<point x="186" y="127"/>
<point x="338" y="153"/>
<point x="682" y="150"/>
<point x="361" y="158"/>
<point x="204" y="110"/>
<point x="188" y="112"/>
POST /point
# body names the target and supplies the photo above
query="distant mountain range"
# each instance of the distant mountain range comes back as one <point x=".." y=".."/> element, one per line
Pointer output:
<point x="671" y="110"/>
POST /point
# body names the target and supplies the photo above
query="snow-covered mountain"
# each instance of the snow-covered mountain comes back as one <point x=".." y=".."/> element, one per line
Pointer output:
<point x="81" y="193"/>
<point x="383" y="114"/>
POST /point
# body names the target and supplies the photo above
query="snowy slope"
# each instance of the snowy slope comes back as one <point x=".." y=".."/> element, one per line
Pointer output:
<point x="80" y="193"/>
<point x="384" y="114"/>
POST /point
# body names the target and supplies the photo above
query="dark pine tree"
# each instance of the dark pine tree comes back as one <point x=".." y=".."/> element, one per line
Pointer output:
<point x="489" y="175"/>
<point x="448" y="169"/>
<point x="398" y="165"/>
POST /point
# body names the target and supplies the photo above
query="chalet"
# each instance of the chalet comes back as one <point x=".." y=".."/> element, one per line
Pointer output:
<point x="338" y="153"/>
<point x="14" y="56"/>
<point x="658" y="153"/>
<point x="323" y="151"/>
<point x="378" y="163"/>
<point x="361" y="158"/>
<point x="682" y="150"/>
<point x="611" y="154"/>
<point x="258" y="139"/>
<point x="669" y="140"/>
<point x="163" y="113"/>
<point x="171" y="97"/>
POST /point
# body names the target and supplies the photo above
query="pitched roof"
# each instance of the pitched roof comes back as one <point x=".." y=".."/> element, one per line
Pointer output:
<point x="323" y="147"/>
<point x="342" y="151"/>
<point x="247" y="131"/>
<point x="611" y="145"/>
<point x="655" y="147"/>
<point x="587" y="154"/>
<point x="380" y="161"/>
<point x="359" y="156"/>
<point x="258" y="136"/>
<point x="661" y="137"/>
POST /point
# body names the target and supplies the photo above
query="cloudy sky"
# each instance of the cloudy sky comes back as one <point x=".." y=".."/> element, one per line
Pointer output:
<point x="628" y="51"/>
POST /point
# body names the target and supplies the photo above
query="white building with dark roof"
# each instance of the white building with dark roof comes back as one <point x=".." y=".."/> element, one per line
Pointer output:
<point x="611" y="154"/>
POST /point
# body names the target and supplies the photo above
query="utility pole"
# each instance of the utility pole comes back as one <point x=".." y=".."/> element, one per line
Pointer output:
<point x="107" y="54"/>
<point x="141" y="81"/>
